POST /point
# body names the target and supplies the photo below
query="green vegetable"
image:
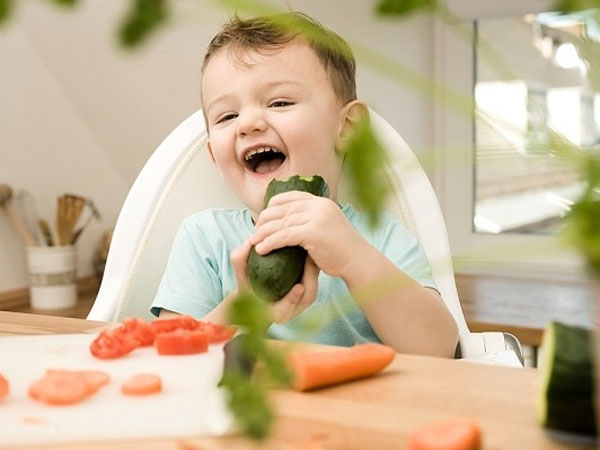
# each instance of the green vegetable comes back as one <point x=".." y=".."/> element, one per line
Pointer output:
<point x="315" y="185"/>
<point x="272" y="275"/>
<point x="247" y="397"/>
<point x="566" y="398"/>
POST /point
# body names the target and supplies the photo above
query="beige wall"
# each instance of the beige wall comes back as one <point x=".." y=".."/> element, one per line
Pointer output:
<point x="77" y="114"/>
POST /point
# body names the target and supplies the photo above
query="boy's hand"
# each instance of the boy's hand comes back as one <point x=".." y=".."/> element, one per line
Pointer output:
<point x="300" y="297"/>
<point x="315" y="223"/>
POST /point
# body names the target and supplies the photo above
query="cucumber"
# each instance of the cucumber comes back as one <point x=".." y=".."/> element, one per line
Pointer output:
<point x="566" y="398"/>
<point x="271" y="276"/>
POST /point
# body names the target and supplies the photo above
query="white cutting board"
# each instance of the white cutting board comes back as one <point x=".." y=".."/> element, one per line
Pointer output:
<point x="190" y="404"/>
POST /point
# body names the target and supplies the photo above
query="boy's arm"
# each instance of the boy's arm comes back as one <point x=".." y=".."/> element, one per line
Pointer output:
<point x="409" y="317"/>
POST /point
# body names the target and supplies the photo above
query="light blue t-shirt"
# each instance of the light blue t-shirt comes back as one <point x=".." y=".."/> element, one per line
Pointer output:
<point x="199" y="275"/>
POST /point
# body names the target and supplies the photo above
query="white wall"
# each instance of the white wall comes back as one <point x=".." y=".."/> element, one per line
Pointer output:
<point x="80" y="115"/>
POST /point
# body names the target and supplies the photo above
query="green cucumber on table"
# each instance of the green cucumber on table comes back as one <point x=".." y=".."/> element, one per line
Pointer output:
<point x="566" y="397"/>
<point x="271" y="276"/>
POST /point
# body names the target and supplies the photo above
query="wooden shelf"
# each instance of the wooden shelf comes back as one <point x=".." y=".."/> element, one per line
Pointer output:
<point x="523" y="306"/>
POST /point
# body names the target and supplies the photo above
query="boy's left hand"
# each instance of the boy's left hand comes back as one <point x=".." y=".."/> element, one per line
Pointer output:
<point x="315" y="223"/>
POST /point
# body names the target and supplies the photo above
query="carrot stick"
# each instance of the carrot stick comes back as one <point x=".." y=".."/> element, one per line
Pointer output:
<point x="317" y="369"/>
<point x="4" y="387"/>
<point x="454" y="434"/>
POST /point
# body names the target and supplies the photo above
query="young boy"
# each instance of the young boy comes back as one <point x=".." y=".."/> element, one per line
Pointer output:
<point x="279" y="99"/>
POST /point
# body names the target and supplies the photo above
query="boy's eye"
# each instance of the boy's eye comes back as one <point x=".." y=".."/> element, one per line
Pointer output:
<point x="280" y="103"/>
<point x="226" y="117"/>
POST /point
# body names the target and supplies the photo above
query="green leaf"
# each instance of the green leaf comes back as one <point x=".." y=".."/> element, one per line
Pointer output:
<point x="65" y="3"/>
<point x="248" y="399"/>
<point x="575" y="5"/>
<point x="248" y="404"/>
<point x="144" y="18"/>
<point x="403" y="7"/>
<point x="6" y="7"/>
<point x="249" y="311"/>
<point x="582" y="228"/>
<point x="366" y="159"/>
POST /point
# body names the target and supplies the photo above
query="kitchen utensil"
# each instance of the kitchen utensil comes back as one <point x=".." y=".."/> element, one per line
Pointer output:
<point x="46" y="233"/>
<point x="68" y="210"/>
<point x="6" y="204"/>
<point x="27" y="211"/>
<point x="94" y="214"/>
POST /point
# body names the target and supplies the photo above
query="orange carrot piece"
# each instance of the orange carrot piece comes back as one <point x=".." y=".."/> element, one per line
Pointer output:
<point x="317" y="369"/>
<point x="59" y="388"/>
<point x="94" y="379"/>
<point x="4" y="387"/>
<point x="454" y="434"/>
<point x="142" y="384"/>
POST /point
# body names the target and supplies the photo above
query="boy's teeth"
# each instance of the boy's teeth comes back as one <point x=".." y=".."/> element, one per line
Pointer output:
<point x="251" y="153"/>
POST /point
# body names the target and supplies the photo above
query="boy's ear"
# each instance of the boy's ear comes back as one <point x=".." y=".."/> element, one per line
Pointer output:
<point x="352" y="113"/>
<point x="210" y="153"/>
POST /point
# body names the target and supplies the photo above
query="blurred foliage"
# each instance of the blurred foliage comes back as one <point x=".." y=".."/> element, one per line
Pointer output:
<point x="365" y="160"/>
<point x="247" y="397"/>
<point x="583" y="220"/>
<point x="143" y="18"/>
<point x="6" y="7"/>
<point x="568" y="6"/>
<point x="66" y="3"/>
<point x="403" y="7"/>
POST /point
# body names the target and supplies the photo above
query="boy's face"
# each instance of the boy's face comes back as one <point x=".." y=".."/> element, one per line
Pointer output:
<point x="271" y="116"/>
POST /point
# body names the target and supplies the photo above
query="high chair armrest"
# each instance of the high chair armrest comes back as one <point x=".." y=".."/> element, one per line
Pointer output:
<point x="475" y="345"/>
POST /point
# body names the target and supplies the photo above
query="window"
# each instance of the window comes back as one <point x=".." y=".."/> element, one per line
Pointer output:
<point x="501" y="191"/>
<point x="535" y="85"/>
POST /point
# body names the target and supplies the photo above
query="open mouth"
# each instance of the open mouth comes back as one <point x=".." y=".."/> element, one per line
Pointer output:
<point x="264" y="159"/>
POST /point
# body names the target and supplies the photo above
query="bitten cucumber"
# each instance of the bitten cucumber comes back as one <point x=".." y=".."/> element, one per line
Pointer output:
<point x="271" y="276"/>
<point x="566" y="398"/>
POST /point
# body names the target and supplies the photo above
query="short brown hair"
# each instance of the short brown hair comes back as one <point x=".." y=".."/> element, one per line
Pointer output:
<point x="274" y="32"/>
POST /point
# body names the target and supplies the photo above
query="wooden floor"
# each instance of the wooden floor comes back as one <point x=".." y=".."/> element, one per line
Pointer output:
<point x="519" y="306"/>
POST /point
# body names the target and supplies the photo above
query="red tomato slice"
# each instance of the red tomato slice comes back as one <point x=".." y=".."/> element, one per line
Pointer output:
<point x="113" y="344"/>
<point x="4" y="387"/>
<point x="140" y="330"/>
<point x="174" y="323"/>
<point x="219" y="333"/>
<point x="181" y="342"/>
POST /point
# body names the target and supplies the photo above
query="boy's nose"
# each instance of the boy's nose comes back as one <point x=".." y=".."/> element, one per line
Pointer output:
<point x="251" y="122"/>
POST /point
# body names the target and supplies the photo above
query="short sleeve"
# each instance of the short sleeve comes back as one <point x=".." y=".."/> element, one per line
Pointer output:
<point x="190" y="284"/>
<point x="401" y="247"/>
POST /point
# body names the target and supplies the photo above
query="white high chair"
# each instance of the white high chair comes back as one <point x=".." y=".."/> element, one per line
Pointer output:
<point x="179" y="180"/>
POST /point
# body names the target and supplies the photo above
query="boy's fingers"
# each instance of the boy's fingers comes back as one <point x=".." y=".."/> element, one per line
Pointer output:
<point x="283" y="310"/>
<point x="310" y="281"/>
<point x="239" y="261"/>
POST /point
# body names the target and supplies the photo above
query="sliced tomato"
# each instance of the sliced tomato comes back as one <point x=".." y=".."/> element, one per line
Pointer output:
<point x="140" y="330"/>
<point x="219" y="333"/>
<point x="175" y="323"/>
<point x="113" y="344"/>
<point x="142" y="384"/>
<point x="4" y="387"/>
<point x="181" y="342"/>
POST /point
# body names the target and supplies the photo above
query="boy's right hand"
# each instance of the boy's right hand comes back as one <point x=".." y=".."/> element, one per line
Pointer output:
<point x="300" y="297"/>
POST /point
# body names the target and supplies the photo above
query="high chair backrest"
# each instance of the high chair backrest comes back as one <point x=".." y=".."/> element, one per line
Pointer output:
<point x="179" y="180"/>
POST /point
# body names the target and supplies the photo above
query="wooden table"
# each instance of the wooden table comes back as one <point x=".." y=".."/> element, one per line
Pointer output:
<point x="376" y="413"/>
